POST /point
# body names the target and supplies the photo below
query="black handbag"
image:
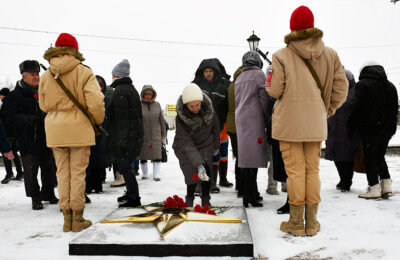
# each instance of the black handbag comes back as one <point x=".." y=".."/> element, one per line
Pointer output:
<point x="164" y="156"/>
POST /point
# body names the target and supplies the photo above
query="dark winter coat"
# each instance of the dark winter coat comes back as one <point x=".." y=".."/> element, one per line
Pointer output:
<point x="375" y="104"/>
<point x="217" y="90"/>
<point x="125" y="122"/>
<point x="4" y="144"/>
<point x="230" y="120"/>
<point x="23" y="113"/>
<point x="196" y="138"/>
<point x="153" y="127"/>
<point x="10" y="131"/>
<point x="251" y="115"/>
<point x="99" y="158"/>
<point x="340" y="145"/>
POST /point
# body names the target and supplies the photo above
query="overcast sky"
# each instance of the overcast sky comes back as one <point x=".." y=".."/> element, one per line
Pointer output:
<point x="359" y="30"/>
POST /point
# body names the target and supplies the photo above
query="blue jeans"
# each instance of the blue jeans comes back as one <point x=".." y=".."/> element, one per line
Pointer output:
<point x="126" y="169"/>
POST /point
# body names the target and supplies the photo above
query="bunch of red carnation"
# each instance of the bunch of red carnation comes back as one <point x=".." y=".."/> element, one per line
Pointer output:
<point x="175" y="202"/>
<point x="206" y="209"/>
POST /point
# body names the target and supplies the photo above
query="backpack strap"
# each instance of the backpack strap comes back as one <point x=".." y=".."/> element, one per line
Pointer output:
<point x="315" y="76"/>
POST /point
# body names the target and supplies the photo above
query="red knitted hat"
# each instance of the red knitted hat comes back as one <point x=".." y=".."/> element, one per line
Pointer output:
<point x="66" y="39"/>
<point x="302" y="18"/>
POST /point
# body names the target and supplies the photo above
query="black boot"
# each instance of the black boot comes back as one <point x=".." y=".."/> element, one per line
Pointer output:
<point x="252" y="195"/>
<point x="130" y="203"/>
<point x="123" y="198"/>
<point x="8" y="178"/>
<point x="189" y="200"/>
<point x="223" y="172"/>
<point x="205" y="200"/>
<point x="285" y="209"/>
<point x="50" y="197"/>
<point x="37" y="203"/>
<point x="213" y="178"/>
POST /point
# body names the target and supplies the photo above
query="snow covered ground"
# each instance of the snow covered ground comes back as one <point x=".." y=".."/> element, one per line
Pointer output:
<point x="351" y="228"/>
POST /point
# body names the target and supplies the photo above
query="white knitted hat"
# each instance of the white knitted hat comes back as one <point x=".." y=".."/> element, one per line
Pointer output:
<point x="192" y="92"/>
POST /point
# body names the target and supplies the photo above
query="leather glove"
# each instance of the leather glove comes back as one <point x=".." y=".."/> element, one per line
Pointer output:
<point x="201" y="171"/>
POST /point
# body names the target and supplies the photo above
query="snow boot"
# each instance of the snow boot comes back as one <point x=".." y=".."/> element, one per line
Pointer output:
<point x="386" y="188"/>
<point x="156" y="171"/>
<point x="119" y="180"/>
<point x="67" y="220"/>
<point x="373" y="192"/>
<point x="283" y="187"/>
<point x="312" y="224"/>
<point x="213" y="179"/>
<point x="223" y="172"/>
<point x="78" y="222"/>
<point x="37" y="203"/>
<point x="8" y="178"/>
<point x="189" y="200"/>
<point x="19" y="177"/>
<point x="205" y="200"/>
<point x="295" y="225"/>
<point x="272" y="191"/>
<point x="145" y="170"/>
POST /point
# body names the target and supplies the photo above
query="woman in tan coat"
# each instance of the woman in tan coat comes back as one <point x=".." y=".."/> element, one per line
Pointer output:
<point x="69" y="133"/>
<point x="299" y="119"/>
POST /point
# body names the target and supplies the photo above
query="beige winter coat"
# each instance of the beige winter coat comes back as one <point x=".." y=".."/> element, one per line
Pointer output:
<point x="300" y="114"/>
<point x="65" y="124"/>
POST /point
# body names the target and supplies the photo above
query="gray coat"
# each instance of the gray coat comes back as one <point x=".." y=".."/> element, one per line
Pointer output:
<point x="342" y="145"/>
<point x="251" y="116"/>
<point x="196" y="138"/>
<point x="153" y="127"/>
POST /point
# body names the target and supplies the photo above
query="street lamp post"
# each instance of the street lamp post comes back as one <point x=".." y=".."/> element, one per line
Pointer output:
<point x="253" y="41"/>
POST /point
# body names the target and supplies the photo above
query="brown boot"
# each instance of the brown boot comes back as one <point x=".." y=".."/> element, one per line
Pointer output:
<point x="295" y="225"/>
<point x="312" y="224"/>
<point x="67" y="220"/>
<point x="78" y="222"/>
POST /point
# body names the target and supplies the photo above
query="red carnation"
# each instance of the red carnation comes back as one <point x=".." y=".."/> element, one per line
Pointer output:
<point x="36" y="96"/>
<point x="175" y="197"/>
<point x="195" y="176"/>
<point x="197" y="208"/>
<point x="150" y="146"/>
<point x="259" y="140"/>
<point x="205" y="208"/>
<point x="211" y="212"/>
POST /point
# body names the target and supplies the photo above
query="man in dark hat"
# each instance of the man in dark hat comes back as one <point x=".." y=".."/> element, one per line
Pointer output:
<point x="4" y="92"/>
<point x="24" y="114"/>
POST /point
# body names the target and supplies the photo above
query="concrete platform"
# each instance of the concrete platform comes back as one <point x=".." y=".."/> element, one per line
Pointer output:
<point x="188" y="239"/>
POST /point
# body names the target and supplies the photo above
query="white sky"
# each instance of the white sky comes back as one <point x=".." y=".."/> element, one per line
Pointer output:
<point x="352" y="27"/>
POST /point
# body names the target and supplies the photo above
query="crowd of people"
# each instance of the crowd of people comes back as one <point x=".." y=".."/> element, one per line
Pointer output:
<point x="72" y="126"/>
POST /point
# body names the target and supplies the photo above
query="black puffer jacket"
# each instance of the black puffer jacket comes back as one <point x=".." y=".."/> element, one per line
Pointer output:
<point x="340" y="145"/>
<point x="217" y="90"/>
<point x="124" y="121"/>
<point x="375" y="105"/>
<point x="196" y="138"/>
<point x="23" y="113"/>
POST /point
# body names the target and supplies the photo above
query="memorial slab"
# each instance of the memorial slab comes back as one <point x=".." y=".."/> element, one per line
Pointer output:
<point x="187" y="239"/>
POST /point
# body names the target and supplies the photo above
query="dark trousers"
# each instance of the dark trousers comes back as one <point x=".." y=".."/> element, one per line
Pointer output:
<point x="126" y="169"/>
<point x="31" y="163"/>
<point x="205" y="189"/>
<point x="136" y="165"/>
<point x="94" y="179"/>
<point x="374" y="148"/>
<point x="346" y="172"/>
<point x="238" y="173"/>
<point x="17" y="160"/>
<point x="250" y="184"/>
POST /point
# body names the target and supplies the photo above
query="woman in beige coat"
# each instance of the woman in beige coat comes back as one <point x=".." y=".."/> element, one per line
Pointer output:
<point x="69" y="133"/>
<point x="299" y="119"/>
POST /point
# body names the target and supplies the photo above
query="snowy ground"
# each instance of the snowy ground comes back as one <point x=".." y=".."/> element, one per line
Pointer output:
<point x="351" y="228"/>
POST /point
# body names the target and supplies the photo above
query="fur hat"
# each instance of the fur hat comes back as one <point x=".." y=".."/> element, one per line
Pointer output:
<point x="29" y="66"/>
<point x="5" y="91"/>
<point x="302" y="18"/>
<point x="66" y="39"/>
<point x="122" y="69"/>
<point x="192" y="92"/>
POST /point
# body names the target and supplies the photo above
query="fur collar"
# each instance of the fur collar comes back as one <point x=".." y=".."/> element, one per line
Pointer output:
<point x="303" y="34"/>
<point x="194" y="122"/>
<point x="51" y="52"/>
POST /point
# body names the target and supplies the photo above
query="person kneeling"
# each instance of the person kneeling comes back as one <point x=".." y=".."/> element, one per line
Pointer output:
<point x="196" y="140"/>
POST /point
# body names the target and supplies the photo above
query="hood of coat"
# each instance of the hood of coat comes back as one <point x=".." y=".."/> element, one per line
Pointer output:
<point x="102" y="84"/>
<point x="207" y="63"/>
<point x="192" y="121"/>
<point x="237" y="73"/>
<point x="306" y="43"/>
<point x="148" y="88"/>
<point x="252" y="58"/>
<point x="63" y="59"/>
<point x="373" y="72"/>
<point x="120" y="81"/>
